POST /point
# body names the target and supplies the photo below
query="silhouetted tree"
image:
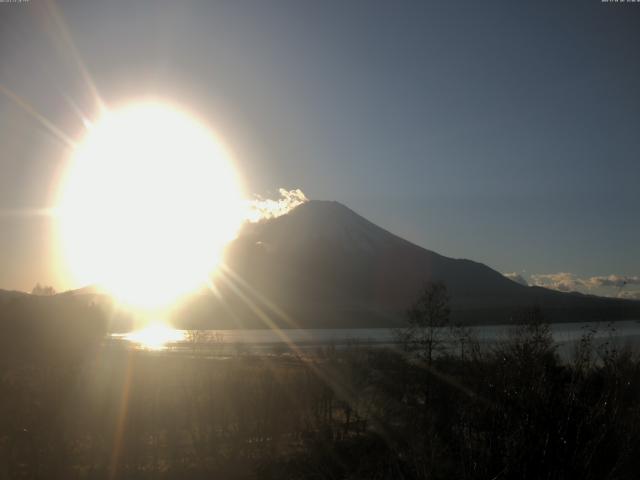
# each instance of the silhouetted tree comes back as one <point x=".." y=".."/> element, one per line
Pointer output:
<point x="426" y="318"/>
<point x="464" y="341"/>
<point x="43" y="290"/>
<point x="197" y="338"/>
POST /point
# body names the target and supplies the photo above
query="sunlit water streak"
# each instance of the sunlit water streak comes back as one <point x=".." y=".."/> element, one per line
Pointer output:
<point x="153" y="337"/>
<point x="160" y="336"/>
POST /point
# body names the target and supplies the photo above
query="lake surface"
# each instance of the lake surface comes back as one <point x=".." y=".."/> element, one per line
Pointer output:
<point x="562" y="332"/>
<point x="232" y="341"/>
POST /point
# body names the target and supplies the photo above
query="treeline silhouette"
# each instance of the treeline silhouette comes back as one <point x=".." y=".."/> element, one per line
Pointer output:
<point x="75" y="407"/>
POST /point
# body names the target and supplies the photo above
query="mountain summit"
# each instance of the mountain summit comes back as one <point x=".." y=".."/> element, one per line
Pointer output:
<point x="323" y="265"/>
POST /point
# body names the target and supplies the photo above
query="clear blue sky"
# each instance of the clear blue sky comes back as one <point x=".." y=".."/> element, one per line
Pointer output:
<point x="505" y="132"/>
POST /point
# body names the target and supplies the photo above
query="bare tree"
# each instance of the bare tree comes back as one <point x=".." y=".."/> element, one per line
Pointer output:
<point x="43" y="290"/>
<point x="197" y="339"/>
<point x="427" y="317"/>
<point x="464" y="341"/>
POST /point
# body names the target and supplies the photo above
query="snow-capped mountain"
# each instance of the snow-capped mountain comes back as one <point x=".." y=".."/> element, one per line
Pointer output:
<point x="323" y="265"/>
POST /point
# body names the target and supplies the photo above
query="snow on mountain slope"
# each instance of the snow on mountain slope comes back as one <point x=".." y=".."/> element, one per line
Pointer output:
<point x="324" y="265"/>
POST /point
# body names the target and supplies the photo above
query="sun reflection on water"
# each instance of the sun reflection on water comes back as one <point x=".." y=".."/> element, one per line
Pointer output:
<point x="155" y="336"/>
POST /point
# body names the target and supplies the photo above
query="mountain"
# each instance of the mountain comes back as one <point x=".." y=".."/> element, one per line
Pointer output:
<point x="6" y="295"/>
<point x="323" y="265"/>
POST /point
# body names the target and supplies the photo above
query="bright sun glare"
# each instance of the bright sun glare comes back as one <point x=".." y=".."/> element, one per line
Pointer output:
<point x="155" y="336"/>
<point x="148" y="204"/>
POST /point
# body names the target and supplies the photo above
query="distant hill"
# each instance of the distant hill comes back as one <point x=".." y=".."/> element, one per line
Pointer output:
<point x="10" y="294"/>
<point x="44" y="328"/>
<point x="323" y="265"/>
<point x="47" y="307"/>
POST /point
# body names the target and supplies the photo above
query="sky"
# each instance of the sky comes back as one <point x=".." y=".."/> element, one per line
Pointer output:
<point x="504" y="132"/>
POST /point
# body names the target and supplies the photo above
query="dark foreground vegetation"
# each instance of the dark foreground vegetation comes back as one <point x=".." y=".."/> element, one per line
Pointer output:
<point x="73" y="408"/>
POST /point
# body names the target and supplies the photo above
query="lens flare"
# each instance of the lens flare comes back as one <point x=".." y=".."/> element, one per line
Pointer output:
<point x="155" y="336"/>
<point x="147" y="206"/>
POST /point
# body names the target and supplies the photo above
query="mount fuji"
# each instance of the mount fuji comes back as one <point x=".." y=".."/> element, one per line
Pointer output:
<point x="324" y="266"/>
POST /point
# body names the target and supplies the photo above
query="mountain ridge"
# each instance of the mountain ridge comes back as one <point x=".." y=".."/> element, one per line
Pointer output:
<point x="322" y="265"/>
<point x="329" y="266"/>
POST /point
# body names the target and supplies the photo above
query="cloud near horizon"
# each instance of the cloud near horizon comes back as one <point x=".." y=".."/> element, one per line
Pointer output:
<point x="568" y="282"/>
<point x="262" y="209"/>
<point x="630" y="294"/>
<point x="614" y="280"/>
<point x="516" y="277"/>
<point x="562" y="281"/>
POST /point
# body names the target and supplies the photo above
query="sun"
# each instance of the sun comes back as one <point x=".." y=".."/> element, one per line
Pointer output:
<point x="155" y="336"/>
<point x="147" y="205"/>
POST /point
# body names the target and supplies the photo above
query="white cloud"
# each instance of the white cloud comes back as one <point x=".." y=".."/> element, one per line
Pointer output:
<point x="614" y="281"/>
<point x="261" y="208"/>
<point x="630" y="294"/>
<point x="567" y="282"/>
<point x="516" y="277"/>
<point x="562" y="281"/>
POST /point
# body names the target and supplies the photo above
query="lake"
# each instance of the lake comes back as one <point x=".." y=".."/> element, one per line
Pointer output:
<point x="232" y="341"/>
